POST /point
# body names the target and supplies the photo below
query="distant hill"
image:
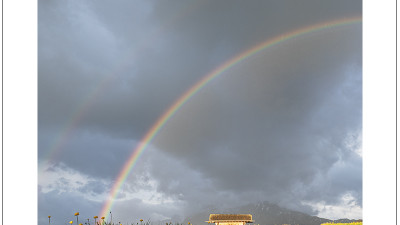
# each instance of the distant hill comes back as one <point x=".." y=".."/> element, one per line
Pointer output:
<point x="264" y="214"/>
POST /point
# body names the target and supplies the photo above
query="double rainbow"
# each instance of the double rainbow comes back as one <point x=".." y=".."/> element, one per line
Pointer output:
<point x="128" y="166"/>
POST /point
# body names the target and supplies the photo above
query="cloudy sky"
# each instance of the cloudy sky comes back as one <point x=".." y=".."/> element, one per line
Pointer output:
<point x="283" y="125"/>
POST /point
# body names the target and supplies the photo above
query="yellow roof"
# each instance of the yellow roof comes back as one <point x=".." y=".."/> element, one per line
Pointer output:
<point x="216" y="218"/>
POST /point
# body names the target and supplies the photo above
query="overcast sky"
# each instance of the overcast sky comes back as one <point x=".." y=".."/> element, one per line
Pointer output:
<point x="284" y="125"/>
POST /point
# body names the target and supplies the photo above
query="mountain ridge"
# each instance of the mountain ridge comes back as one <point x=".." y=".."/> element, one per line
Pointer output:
<point x="264" y="213"/>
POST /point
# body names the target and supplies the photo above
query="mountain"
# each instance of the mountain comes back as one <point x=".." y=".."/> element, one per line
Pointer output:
<point x="263" y="214"/>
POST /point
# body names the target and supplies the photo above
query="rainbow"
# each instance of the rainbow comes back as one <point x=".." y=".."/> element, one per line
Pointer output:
<point x="198" y="86"/>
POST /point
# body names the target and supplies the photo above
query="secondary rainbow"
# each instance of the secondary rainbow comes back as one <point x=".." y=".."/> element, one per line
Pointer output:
<point x="53" y="152"/>
<point x="198" y="86"/>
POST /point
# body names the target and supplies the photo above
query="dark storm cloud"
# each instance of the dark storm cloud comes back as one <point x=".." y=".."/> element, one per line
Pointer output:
<point x="108" y="70"/>
<point x="100" y="81"/>
<point x="149" y="63"/>
<point x="286" y="120"/>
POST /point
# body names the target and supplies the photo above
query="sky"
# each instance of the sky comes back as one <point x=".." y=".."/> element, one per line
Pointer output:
<point x="283" y="125"/>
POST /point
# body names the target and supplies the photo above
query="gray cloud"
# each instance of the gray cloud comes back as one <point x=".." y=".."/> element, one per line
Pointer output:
<point x="282" y="125"/>
<point x="274" y="127"/>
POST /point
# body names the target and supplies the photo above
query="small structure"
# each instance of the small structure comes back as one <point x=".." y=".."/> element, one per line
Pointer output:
<point x="230" y="219"/>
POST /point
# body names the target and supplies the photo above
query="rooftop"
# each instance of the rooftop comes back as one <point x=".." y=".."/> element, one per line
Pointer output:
<point x="217" y="218"/>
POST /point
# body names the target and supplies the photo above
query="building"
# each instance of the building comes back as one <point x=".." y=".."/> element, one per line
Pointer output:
<point x="230" y="219"/>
